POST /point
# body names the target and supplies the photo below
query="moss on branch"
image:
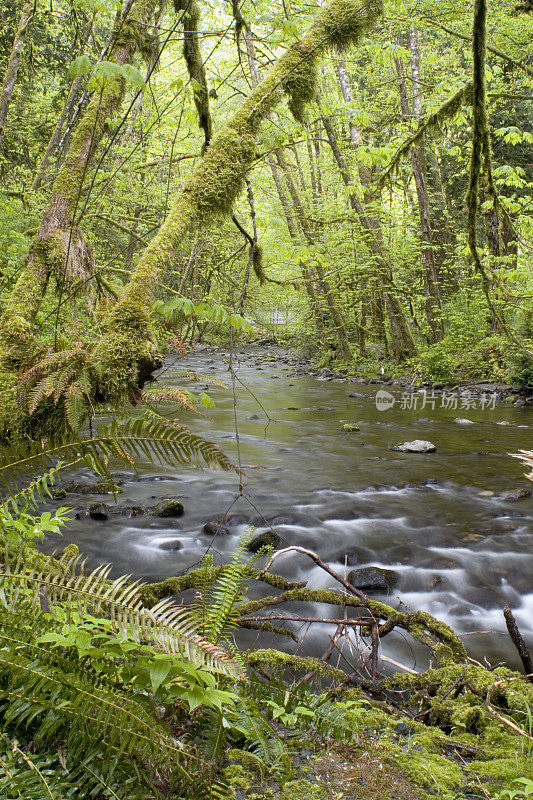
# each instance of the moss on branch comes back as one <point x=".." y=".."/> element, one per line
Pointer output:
<point x="215" y="185"/>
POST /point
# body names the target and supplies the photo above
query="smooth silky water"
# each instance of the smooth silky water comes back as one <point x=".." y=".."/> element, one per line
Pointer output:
<point x="460" y="553"/>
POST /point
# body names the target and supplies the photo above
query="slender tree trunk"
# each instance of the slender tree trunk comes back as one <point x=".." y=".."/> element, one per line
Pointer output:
<point x="444" y="240"/>
<point x="403" y="344"/>
<point x="338" y="322"/>
<point x="13" y="64"/>
<point x="56" y="133"/>
<point x="292" y="226"/>
<point x="292" y="223"/>
<point x="418" y="165"/>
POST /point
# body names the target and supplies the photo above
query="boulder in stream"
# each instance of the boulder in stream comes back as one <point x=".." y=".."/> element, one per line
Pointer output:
<point x="463" y="421"/>
<point x="416" y="446"/>
<point x="266" y="539"/>
<point x="215" y="529"/>
<point x="168" y="508"/>
<point x="99" y="511"/>
<point x="372" y="579"/>
<point x="515" y="494"/>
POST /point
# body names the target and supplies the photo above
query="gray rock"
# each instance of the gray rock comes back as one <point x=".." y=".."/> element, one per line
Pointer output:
<point x="416" y="446"/>
<point x="372" y="579"/>
<point x="171" y="546"/>
<point x="99" y="511"/>
<point x="516" y="494"/>
<point x="463" y="421"/>
<point x="168" y="508"/>
<point x="215" y="529"/>
<point x="265" y="539"/>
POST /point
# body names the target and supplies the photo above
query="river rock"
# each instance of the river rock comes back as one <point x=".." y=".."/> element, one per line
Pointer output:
<point x="350" y="427"/>
<point x="416" y="446"/>
<point x="265" y="539"/>
<point x="215" y="529"/>
<point x="171" y="546"/>
<point x="168" y="508"/>
<point x="99" y="511"/>
<point x="463" y="421"/>
<point x="372" y="579"/>
<point x="232" y="520"/>
<point x="104" y="487"/>
<point x="515" y="494"/>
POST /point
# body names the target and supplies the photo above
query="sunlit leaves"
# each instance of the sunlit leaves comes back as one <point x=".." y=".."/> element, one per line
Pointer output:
<point x="104" y="73"/>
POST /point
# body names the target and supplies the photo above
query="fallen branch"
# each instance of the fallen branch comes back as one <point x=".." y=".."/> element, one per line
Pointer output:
<point x="518" y="641"/>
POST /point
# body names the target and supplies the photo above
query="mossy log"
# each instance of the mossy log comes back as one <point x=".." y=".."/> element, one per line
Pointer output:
<point x="124" y="355"/>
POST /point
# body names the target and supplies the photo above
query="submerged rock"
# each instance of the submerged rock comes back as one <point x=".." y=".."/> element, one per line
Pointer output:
<point x="99" y="511"/>
<point x="171" y="546"/>
<point x="168" y="508"/>
<point x="215" y="529"/>
<point x="416" y="446"/>
<point x="372" y="579"/>
<point x="104" y="487"/>
<point x="265" y="539"/>
<point x="515" y="494"/>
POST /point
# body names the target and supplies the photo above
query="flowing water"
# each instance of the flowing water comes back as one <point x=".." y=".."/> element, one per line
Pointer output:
<point x="459" y="550"/>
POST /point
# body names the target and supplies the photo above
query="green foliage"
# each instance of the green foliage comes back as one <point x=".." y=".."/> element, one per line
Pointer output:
<point x="219" y="609"/>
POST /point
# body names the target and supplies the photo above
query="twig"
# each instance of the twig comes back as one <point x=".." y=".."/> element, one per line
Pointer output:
<point x="500" y="717"/>
<point x="318" y="562"/>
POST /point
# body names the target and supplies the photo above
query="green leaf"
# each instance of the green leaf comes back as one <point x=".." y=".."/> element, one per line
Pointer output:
<point x="159" y="671"/>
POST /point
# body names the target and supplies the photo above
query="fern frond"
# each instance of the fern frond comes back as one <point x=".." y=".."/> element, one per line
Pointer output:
<point x="526" y="457"/>
<point x="199" y="377"/>
<point x="221" y="611"/>
<point x="169" y="395"/>
<point x="156" y="440"/>
<point x="35" y="492"/>
<point x="169" y="625"/>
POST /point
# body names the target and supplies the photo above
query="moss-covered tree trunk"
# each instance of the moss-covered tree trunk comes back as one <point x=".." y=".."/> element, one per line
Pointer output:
<point x="124" y="358"/>
<point x="59" y="249"/>
<point x="14" y="61"/>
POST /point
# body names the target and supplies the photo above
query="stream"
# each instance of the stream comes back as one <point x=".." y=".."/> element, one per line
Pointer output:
<point x="459" y="550"/>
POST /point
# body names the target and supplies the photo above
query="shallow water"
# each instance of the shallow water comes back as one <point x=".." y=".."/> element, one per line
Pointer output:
<point x="459" y="552"/>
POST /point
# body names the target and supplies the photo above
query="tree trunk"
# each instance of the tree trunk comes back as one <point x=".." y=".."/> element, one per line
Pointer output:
<point x="13" y="64"/>
<point x="418" y="165"/>
<point x="59" y="248"/>
<point x="124" y="358"/>
<point x="403" y="344"/>
<point x="338" y="323"/>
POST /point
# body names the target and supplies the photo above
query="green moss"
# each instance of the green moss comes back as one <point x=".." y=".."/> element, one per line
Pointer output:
<point x="212" y="190"/>
<point x="304" y="790"/>
<point x="195" y="64"/>
<point x="253" y="765"/>
<point x="342" y="22"/>
<point x="275" y="659"/>
<point x="301" y="83"/>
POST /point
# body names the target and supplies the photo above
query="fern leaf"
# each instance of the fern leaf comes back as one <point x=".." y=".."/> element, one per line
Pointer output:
<point x="171" y="626"/>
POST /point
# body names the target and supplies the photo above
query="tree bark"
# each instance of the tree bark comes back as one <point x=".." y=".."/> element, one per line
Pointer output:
<point x="418" y="165"/>
<point x="402" y="342"/>
<point x="14" y="61"/>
